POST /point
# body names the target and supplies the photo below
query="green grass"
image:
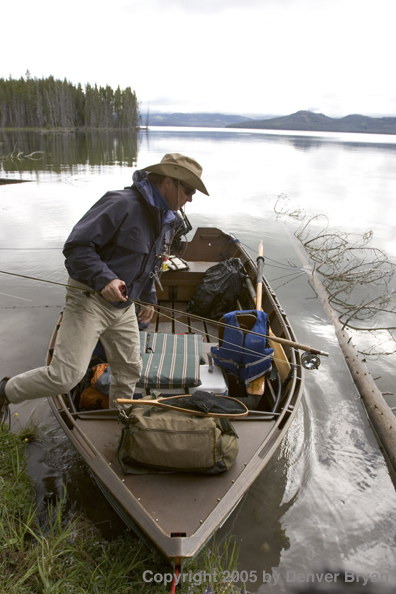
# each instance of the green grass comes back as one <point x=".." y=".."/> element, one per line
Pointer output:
<point x="69" y="555"/>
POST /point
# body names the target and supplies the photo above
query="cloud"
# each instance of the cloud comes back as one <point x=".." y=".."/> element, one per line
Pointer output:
<point x="161" y="100"/>
<point x="228" y="56"/>
<point x="313" y="109"/>
<point x="200" y="6"/>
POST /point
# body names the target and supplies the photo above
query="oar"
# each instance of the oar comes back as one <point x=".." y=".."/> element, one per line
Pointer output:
<point x="280" y="358"/>
<point x="285" y="341"/>
<point x="161" y="403"/>
<point x="257" y="386"/>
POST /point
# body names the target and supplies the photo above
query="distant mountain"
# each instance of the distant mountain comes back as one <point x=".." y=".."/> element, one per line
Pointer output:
<point x="201" y="120"/>
<point x="317" y="122"/>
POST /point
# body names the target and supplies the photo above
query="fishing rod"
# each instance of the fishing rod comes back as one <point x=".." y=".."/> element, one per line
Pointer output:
<point x="158" y="307"/>
<point x="273" y="338"/>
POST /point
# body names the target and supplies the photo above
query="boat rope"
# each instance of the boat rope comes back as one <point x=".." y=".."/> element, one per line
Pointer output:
<point x="175" y="580"/>
<point x="162" y="309"/>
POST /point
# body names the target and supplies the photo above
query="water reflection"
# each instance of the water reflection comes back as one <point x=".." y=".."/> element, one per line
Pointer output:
<point x="261" y="535"/>
<point x="60" y="152"/>
<point x="65" y="151"/>
<point x="305" y="141"/>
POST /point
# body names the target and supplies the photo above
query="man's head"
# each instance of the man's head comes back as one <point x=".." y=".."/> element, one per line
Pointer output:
<point x="177" y="178"/>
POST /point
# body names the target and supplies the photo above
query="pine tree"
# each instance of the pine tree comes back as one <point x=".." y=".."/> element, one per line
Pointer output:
<point x="52" y="103"/>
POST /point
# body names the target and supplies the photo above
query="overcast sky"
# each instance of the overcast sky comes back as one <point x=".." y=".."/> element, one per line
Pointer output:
<point x="230" y="56"/>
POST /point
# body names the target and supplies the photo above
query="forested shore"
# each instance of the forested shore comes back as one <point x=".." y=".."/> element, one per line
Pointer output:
<point x="49" y="103"/>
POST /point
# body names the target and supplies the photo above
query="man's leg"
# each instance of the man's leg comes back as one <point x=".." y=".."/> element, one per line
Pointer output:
<point x="83" y="321"/>
<point x="122" y="345"/>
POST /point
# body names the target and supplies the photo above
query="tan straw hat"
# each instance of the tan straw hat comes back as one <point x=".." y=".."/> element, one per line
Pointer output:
<point x="182" y="168"/>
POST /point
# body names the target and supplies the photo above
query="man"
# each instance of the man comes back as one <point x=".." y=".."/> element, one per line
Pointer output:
<point x="113" y="256"/>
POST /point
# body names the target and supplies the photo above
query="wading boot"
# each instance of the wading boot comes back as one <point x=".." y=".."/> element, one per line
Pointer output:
<point x="4" y="402"/>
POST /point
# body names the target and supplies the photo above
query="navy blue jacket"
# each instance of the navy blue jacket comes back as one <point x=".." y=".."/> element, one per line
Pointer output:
<point x="121" y="236"/>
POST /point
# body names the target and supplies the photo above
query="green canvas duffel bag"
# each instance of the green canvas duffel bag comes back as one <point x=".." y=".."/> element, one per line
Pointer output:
<point x="166" y="440"/>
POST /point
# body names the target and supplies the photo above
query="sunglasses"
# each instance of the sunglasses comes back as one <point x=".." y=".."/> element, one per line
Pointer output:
<point x="187" y="189"/>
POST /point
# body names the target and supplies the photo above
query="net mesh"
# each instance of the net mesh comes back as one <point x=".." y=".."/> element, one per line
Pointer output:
<point x="207" y="402"/>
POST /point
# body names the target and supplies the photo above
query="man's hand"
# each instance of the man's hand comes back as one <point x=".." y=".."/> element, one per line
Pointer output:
<point x="112" y="291"/>
<point x="146" y="313"/>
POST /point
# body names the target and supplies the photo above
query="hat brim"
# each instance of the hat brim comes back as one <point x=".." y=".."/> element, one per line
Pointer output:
<point x="178" y="172"/>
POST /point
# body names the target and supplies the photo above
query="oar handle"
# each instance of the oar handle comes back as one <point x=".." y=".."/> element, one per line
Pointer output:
<point x="260" y="265"/>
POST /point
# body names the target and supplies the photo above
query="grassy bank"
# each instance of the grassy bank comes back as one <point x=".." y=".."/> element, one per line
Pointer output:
<point x="68" y="554"/>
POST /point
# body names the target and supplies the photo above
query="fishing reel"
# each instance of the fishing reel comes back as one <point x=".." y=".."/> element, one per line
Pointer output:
<point x="310" y="361"/>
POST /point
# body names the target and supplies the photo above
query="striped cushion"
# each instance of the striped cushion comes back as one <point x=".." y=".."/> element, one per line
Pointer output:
<point x="170" y="360"/>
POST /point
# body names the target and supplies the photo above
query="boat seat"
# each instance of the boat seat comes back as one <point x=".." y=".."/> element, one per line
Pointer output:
<point x="170" y="360"/>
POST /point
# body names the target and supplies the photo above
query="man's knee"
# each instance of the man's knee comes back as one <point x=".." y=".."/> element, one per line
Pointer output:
<point x="66" y="379"/>
<point x="126" y="369"/>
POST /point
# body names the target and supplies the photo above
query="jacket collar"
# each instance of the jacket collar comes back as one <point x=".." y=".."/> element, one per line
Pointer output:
<point x="152" y="194"/>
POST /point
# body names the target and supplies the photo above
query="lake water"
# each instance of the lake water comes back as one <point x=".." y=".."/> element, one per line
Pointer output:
<point x="326" y="500"/>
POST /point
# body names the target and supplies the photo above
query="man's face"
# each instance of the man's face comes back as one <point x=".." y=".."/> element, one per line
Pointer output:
<point x="177" y="194"/>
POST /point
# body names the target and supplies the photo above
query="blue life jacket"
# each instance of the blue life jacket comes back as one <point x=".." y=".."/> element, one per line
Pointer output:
<point x="244" y="354"/>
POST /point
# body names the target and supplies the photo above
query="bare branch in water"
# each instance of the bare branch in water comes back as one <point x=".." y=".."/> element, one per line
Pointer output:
<point x="18" y="155"/>
<point x="355" y="274"/>
<point x="282" y="207"/>
<point x="33" y="157"/>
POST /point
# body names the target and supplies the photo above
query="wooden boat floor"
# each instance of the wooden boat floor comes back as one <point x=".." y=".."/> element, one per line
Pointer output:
<point x="178" y="322"/>
<point x="179" y="502"/>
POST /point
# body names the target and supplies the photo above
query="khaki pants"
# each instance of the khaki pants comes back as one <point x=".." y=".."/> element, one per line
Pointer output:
<point x="86" y="318"/>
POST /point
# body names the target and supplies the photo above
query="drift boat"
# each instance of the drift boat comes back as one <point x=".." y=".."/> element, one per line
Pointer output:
<point x="179" y="512"/>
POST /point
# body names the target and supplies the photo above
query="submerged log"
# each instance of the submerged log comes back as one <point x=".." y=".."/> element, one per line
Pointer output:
<point x="379" y="412"/>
